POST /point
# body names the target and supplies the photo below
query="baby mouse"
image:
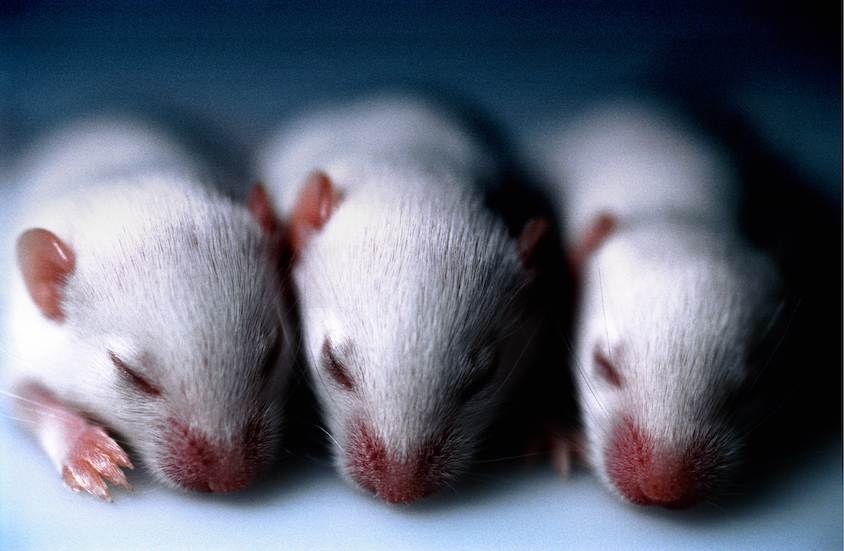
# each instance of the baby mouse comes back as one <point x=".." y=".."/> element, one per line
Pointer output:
<point x="676" y="311"/>
<point x="415" y="299"/>
<point x="145" y="310"/>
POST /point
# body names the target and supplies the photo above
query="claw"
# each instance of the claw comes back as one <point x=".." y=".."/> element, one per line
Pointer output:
<point x="70" y="480"/>
<point x="113" y="473"/>
<point x="93" y="457"/>
<point x="113" y="451"/>
<point x="85" y="479"/>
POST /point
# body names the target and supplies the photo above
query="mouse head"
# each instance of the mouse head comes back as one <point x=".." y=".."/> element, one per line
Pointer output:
<point x="171" y="329"/>
<point x="416" y="325"/>
<point x="671" y="322"/>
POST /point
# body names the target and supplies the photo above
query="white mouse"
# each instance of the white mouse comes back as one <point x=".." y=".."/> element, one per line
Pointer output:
<point x="416" y="303"/>
<point x="675" y="308"/>
<point x="145" y="311"/>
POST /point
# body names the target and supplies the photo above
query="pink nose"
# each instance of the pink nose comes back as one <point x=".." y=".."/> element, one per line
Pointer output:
<point x="648" y="473"/>
<point x="195" y="463"/>
<point x="404" y="480"/>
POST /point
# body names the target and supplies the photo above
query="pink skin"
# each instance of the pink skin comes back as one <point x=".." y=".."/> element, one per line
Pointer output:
<point x="648" y="473"/>
<point x="397" y="480"/>
<point x="90" y="455"/>
<point x="203" y="466"/>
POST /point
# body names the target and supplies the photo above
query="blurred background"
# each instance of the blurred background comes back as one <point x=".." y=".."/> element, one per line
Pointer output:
<point x="246" y="65"/>
<point x="242" y="68"/>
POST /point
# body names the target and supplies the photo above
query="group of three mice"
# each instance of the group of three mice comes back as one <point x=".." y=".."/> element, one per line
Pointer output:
<point x="148" y="309"/>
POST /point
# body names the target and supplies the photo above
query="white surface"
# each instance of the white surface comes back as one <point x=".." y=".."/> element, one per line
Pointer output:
<point x="302" y="505"/>
<point x="250" y="69"/>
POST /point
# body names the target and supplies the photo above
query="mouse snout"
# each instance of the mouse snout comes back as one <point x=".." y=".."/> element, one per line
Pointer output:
<point x="395" y="477"/>
<point x="195" y="462"/>
<point x="648" y="472"/>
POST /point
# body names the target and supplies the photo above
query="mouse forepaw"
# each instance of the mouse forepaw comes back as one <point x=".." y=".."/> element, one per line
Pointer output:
<point x="561" y="454"/>
<point x="565" y="445"/>
<point x="93" y="457"/>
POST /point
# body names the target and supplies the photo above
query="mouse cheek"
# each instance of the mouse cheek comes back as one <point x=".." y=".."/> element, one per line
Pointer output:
<point x="649" y="472"/>
<point x="196" y="462"/>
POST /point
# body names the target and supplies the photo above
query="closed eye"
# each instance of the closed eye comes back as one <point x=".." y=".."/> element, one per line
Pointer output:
<point x="485" y="363"/>
<point x="271" y="360"/>
<point x="132" y="377"/>
<point x="335" y="367"/>
<point x="605" y="370"/>
<point x="476" y="384"/>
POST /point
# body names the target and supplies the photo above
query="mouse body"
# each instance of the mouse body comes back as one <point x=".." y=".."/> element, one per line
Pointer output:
<point x="145" y="311"/>
<point x="675" y="311"/>
<point x="416" y="305"/>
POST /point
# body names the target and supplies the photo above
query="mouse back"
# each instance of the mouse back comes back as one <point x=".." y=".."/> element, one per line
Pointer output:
<point x="635" y="156"/>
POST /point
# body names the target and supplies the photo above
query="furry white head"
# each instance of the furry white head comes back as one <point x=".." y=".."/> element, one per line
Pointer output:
<point x="163" y="317"/>
<point x="672" y="316"/>
<point x="415" y="321"/>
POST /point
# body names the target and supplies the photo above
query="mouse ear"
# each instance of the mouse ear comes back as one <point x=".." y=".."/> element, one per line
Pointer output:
<point x="261" y="207"/>
<point x="602" y="227"/>
<point x="317" y="202"/>
<point x="45" y="262"/>
<point x="529" y="238"/>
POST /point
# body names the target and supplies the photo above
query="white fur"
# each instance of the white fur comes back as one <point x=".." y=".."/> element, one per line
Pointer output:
<point x="170" y="276"/>
<point x="675" y="297"/>
<point x="382" y="131"/>
<point x="638" y="159"/>
<point x="413" y="280"/>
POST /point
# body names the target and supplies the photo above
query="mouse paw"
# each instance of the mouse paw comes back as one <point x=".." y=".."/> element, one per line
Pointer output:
<point x="94" y="456"/>
<point x="564" y="445"/>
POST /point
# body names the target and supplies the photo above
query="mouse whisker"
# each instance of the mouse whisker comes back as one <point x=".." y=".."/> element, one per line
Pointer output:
<point x="513" y="367"/>
<point x="331" y="438"/>
<point x="772" y="323"/>
<point x="27" y="404"/>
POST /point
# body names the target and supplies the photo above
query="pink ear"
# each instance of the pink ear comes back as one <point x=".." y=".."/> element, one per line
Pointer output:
<point x="45" y="262"/>
<point x="317" y="202"/>
<point x="602" y="227"/>
<point x="532" y="233"/>
<point x="262" y="210"/>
